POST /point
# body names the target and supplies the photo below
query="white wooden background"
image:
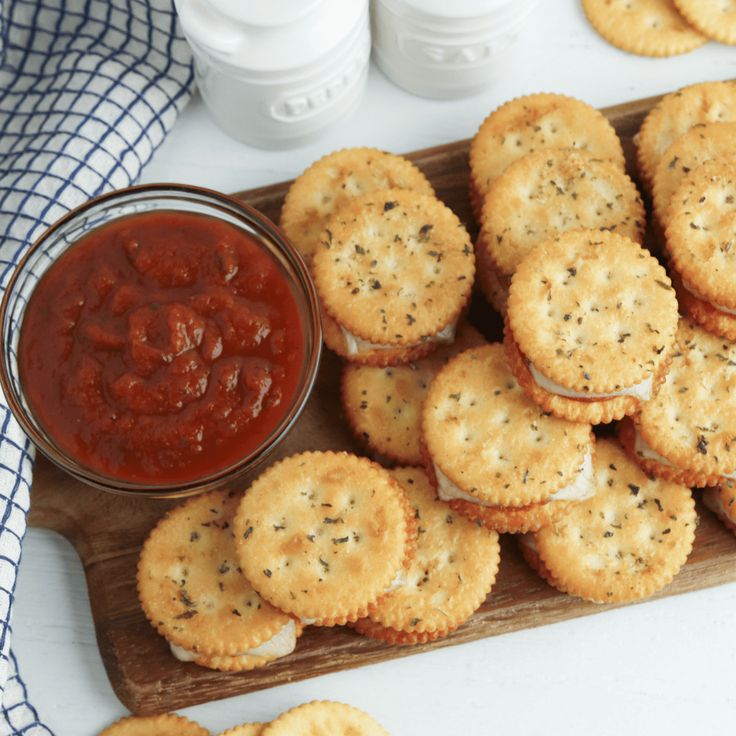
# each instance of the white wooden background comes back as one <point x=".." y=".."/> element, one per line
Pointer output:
<point x="655" y="666"/>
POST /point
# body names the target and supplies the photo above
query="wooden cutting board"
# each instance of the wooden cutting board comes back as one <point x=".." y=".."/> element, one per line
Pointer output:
<point x="107" y="531"/>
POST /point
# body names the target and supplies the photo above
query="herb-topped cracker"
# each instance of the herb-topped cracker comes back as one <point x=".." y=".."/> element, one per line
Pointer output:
<point x="701" y="242"/>
<point x="644" y="27"/>
<point x="489" y="446"/>
<point x="686" y="432"/>
<point x="703" y="142"/>
<point x="394" y="271"/>
<point x="721" y="500"/>
<point x="531" y="123"/>
<point x="675" y="114"/>
<point x="453" y="569"/>
<point x="192" y="591"/>
<point x="166" y="724"/>
<point x="625" y="543"/>
<point x="323" y="535"/>
<point x="714" y="18"/>
<point x="335" y="180"/>
<point x="383" y="405"/>
<point x="324" y="717"/>
<point x="590" y="325"/>
<point x="549" y="192"/>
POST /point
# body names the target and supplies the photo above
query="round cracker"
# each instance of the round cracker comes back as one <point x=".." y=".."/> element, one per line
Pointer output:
<point x="715" y="19"/>
<point x="322" y="535"/>
<point x="533" y="122"/>
<point x="553" y="191"/>
<point x="702" y="143"/>
<point x="324" y="717"/>
<point x="706" y="315"/>
<point x="691" y="422"/>
<point x="701" y="232"/>
<point x="593" y="312"/>
<point x="644" y="27"/>
<point x="491" y="440"/>
<point x="396" y="268"/>
<point x="511" y="519"/>
<point x="453" y="570"/>
<point x="190" y="585"/>
<point x="336" y="341"/>
<point x="383" y="405"/>
<point x="245" y="729"/>
<point x="675" y="114"/>
<point x="336" y="179"/>
<point x="166" y="724"/>
<point x="626" y="542"/>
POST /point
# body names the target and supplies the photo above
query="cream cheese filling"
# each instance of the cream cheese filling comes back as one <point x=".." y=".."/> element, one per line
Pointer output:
<point x="279" y="645"/>
<point x="643" y="449"/>
<point x="581" y="487"/>
<point x="641" y="390"/>
<point x="356" y="345"/>
<point x="702" y="298"/>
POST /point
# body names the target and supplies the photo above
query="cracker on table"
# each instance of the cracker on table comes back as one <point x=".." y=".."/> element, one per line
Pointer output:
<point x="383" y="405"/>
<point x="701" y="232"/>
<point x="715" y="19"/>
<point x="454" y="567"/>
<point x="691" y="422"/>
<point x="675" y="114"/>
<point x="245" y="729"/>
<point x="395" y="267"/>
<point x="166" y="724"/>
<point x="533" y="122"/>
<point x="552" y="191"/>
<point x="190" y="585"/>
<point x="324" y="717"/>
<point x="703" y="142"/>
<point x="644" y="27"/>
<point x="322" y="535"/>
<point x="494" y="443"/>
<point x="335" y="180"/>
<point x="593" y="311"/>
<point x="626" y="542"/>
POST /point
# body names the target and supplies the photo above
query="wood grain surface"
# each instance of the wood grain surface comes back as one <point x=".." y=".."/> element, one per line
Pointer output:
<point x="107" y="531"/>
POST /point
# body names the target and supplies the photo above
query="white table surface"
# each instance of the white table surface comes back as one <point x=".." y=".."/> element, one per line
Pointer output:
<point x="668" y="664"/>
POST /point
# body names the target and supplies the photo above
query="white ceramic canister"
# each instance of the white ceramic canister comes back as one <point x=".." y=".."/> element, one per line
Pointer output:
<point x="276" y="73"/>
<point x="446" y="48"/>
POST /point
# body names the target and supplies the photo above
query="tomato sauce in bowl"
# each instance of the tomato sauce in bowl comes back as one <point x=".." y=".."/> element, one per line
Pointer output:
<point x="159" y="350"/>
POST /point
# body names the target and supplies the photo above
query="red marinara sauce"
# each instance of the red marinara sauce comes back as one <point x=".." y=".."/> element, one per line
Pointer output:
<point x="162" y="347"/>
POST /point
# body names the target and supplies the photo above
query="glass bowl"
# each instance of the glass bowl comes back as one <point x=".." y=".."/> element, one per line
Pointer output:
<point x="63" y="235"/>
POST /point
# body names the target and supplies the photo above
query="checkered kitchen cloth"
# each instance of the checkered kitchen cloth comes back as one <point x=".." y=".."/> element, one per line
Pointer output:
<point x="88" y="90"/>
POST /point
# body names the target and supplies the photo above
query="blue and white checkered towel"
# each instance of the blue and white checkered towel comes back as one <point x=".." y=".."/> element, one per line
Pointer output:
<point x="88" y="90"/>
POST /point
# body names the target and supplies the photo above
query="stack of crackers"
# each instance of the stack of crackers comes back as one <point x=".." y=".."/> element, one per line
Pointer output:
<point x="471" y="439"/>
<point x="317" y="717"/>
<point x="662" y="27"/>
